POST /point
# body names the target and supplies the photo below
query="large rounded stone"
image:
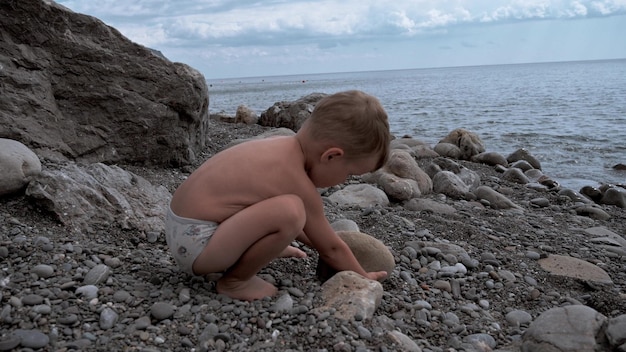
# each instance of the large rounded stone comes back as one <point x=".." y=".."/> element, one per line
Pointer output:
<point x="371" y="253"/>
<point x="17" y="165"/>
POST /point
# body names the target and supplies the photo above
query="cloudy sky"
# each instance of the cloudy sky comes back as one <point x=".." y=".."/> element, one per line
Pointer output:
<point x="250" y="38"/>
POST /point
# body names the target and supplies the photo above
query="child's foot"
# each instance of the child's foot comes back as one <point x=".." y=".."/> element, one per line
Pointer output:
<point x="292" y="252"/>
<point x="254" y="288"/>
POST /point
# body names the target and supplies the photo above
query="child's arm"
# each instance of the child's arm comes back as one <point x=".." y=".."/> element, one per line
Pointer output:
<point x="332" y="249"/>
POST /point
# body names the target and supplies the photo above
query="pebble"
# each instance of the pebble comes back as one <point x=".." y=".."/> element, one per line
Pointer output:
<point x="32" y="338"/>
<point x="88" y="292"/>
<point x="108" y="318"/>
<point x="518" y="318"/>
<point x="445" y="293"/>
<point x="97" y="275"/>
<point x="43" y="271"/>
<point x="162" y="310"/>
<point x="32" y="299"/>
<point x="9" y="342"/>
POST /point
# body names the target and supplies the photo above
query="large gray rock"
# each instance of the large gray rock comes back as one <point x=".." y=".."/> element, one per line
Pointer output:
<point x="17" y="165"/>
<point x="565" y="329"/>
<point x="74" y="88"/>
<point x="99" y="195"/>
<point x="290" y="114"/>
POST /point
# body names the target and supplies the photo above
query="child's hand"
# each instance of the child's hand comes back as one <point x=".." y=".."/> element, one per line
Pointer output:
<point x="376" y="275"/>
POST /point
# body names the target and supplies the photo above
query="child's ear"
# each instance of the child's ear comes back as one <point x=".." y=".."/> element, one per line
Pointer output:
<point x="332" y="153"/>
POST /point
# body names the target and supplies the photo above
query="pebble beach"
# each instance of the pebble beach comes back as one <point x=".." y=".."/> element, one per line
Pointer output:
<point x="467" y="278"/>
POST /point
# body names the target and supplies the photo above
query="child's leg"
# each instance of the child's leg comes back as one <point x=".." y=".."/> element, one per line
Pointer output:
<point x="247" y="241"/>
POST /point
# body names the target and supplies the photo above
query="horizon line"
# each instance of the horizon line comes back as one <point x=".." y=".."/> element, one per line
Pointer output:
<point x="414" y="68"/>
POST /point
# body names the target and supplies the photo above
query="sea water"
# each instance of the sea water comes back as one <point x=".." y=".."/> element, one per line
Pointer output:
<point x="570" y="115"/>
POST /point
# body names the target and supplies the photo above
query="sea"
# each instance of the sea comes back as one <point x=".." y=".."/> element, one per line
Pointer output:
<point x="570" y="115"/>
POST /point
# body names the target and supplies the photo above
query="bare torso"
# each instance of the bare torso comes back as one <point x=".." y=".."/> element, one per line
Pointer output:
<point x="243" y="175"/>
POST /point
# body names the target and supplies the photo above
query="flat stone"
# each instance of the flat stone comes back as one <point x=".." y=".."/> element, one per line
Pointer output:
<point x="32" y="338"/>
<point x="43" y="271"/>
<point x="574" y="268"/>
<point x="9" y="342"/>
<point x="32" y="300"/>
<point x="97" y="275"/>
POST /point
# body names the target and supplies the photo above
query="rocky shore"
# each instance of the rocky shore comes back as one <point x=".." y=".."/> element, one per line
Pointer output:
<point x="467" y="277"/>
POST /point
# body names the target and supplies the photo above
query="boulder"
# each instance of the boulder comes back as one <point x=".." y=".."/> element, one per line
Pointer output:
<point x="371" y="253"/>
<point x="362" y="195"/>
<point x="245" y="115"/>
<point x="468" y="143"/>
<point x="448" y="150"/>
<point x="76" y="89"/>
<point x="290" y="114"/>
<point x="572" y="328"/>
<point x="97" y="195"/>
<point x="516" y="175"/>
<point x="490" y="158"/>
<point x="448" y="183"/>
<point x="18" y="165"/>
<point x="402" y="164"/>
<point x="523" y="154"/>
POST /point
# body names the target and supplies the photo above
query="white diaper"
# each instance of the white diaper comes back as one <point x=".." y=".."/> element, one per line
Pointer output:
<point x="186" y="238"/>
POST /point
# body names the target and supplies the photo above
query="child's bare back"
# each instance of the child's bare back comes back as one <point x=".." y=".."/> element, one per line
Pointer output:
<point x="240" y="176"/>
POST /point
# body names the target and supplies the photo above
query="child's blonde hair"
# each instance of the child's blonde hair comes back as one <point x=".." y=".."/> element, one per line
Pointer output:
<point x="353" y="120"/>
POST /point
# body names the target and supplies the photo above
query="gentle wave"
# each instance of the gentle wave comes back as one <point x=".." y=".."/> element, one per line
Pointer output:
<point x="570" y="115"/>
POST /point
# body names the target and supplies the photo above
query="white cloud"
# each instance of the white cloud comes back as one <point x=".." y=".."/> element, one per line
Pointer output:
<point x="311" y="33"/>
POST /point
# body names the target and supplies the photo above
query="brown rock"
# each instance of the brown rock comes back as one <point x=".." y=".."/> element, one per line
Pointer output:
<point x="574" y="268"/>
<point x="371" y="253"/>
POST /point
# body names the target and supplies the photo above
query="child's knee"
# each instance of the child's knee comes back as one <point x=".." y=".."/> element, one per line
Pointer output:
<point x="293" y="211"/>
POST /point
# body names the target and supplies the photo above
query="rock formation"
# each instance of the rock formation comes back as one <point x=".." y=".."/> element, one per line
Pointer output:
<point x="74" y="88"/>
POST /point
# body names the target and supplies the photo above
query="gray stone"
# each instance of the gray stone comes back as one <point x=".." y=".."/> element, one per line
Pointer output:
<point x="344" y="225"/>
<point x="448" y="183"/>
<point x="351" y="296"/>
<point x="43" y="271"/>
<point x="524" y="154"/>
<point x="32" y="338"/>
<point x="403" y="342"/>
<point x="362" y="195"/>
<point x="429" y="205"/>
<point x="284" y="303"/>
<point x="292" y="114"/>
<point x="76" y="89"/>
<point x="162" y="310"/>
<point x="9" y="342"/>
<point x="496" y="200"/>
<point x="17" y="164"/>
<point x="82" y="196"/>
<point x="490" y="158"/>
<point x="108" y="318"/>
<point x="518" y="317"/>
<point x="88" y="292"/>
<point x="616" y="330"/>
<point x="516" y="175"/>
<point x="571" y="328"/>
<point x="32" y="299"/>
<point x="97" y="275"/>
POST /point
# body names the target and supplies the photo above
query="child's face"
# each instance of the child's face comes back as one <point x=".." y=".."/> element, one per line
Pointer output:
<point x="337" y="170"/>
